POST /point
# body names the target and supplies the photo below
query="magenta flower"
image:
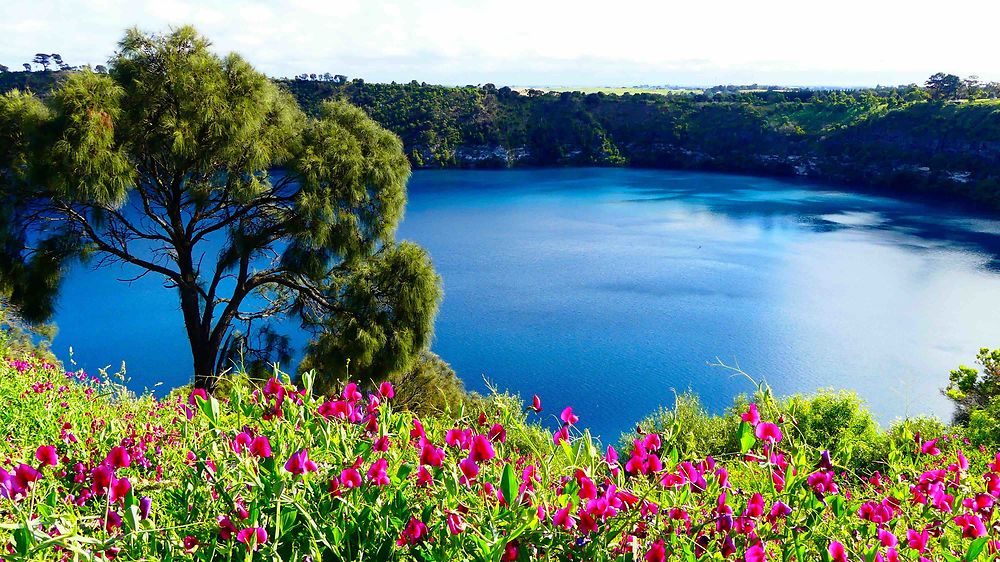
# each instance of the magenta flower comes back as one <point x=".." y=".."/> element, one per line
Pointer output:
<point x="469" y="468"/>
<point x="119" y="489"/>
<point x="768" y="432"/>
<point x="378" y="473"/>
<point x="751" y="416"/>
<point x="972" y="526"/>
<point x="190" y="544"/>
<point x="917" y="541"/>
<point x="562" y="434"/>
<point x="431" y="455"/>
<point x="498" y="433"/>
<point x="46" y="455"/>
<point x="568" y="417"/>
<point x="837" y="552"/>
<point x="822" y="483"/>
<point x="414" y="532"/>
<point x="241" y="442"/>
<point x="886" y="538"/>
<point x="260" y="447"/>
<point x="756" y="553"/>
<point x="481" y="449"/>
<point x="536" y="404"/>
<point x="930" y="448"/>
<point x="458" y="438"/>
<point x="424" y="477"/>
<point x="253" y="537"/>
<point x="299" y="463"/>
<point x="564" y="519"/>
<point x="455" y="523"/>
<point x="118" y="457"/>
<point x="101" y="477"/>
<point x="350" y="478"/>
<point x="385" y="390"/>
<point x="351" y="392"/>
<point x="656" y="553"/>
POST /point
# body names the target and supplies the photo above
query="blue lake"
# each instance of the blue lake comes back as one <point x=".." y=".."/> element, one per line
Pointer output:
<point x="609" y="289"/>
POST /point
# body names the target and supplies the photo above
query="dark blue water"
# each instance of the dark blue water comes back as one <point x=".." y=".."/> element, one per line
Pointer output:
<point x="610" y="289"/>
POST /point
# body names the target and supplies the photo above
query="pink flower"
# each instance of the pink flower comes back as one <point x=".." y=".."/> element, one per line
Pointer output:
<point x="431" y="455"/>
<point x="241" y="441"/>
<point x="119" y="489"/>
<point x="424" y="477"/>
<point x="378" y="473"/>
<point x="46" y="455"/>
<point x="381" y="444"/>
<point x="119" y="458"/>
<point x="469" y="468"/>
<point x="822" y="483"/>
<point x="385" y="390"/>
<point x="455" y="523"/>
<point x="226" y="527"/>
<point x="768" y="432"/>
<point x="564" y="519"/>
<point x="930" y="448"/>
<point x="837" y="552"/>
<point x="656" y="553"/>
<point x="498" y="433"/>
<point x="561" y="435"/>
<point x="536" y="404"/>
<point x="351" y="393"/>
<point x="350" y="478"/>
<point x="887" y="538"/>
<point x="414" y="532"/>
<point x="568" y="417"/>
<point x="972" y="526"/>
<point x="756" y="553"/>
<point x="299" y="463"/>
<point x="458" y="438"/>
<point x="917" y="541"/>
<point x="190" y="543"/>
<point x="261" y="447"/>
<point x="101" y="477"/>
<point x="481" y="449"/>
<point x="253" y="537"/>
<point x="751" y="416"/>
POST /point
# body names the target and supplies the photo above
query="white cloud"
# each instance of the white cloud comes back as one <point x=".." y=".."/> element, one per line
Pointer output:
<point x="543" y="41"/>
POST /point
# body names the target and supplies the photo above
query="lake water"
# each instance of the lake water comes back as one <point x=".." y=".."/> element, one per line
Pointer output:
<point x="610" y="289"/>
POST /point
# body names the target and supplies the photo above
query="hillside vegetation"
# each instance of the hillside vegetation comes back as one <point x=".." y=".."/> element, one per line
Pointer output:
<point x="273" y="472"/>
<point x="897" y="138"/>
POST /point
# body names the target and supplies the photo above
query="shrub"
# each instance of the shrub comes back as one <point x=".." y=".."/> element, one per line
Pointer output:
<point x="90" y="471"/>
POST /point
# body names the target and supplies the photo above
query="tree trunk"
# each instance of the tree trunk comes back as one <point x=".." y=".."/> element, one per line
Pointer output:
<point x="204" y="366"/>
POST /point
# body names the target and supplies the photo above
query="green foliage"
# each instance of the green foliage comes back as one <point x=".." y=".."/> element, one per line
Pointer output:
<point x="429" y="387"/>
<point x="261" y="473"/>
<point x="972" y="390"/>
<point x="177" y="152"/>
<point x="836" y="421"/>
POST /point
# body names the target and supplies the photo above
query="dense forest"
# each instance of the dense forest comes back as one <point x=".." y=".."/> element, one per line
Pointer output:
<point x="941" y="137"/>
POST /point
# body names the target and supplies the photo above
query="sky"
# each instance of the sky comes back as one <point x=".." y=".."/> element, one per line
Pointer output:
<point x="544" y="42"/>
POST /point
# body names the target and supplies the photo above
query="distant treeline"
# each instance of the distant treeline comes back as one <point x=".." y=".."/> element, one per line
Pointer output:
<point x="941" y="137"/>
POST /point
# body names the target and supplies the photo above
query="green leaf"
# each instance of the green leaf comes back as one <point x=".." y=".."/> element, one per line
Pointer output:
<point x="568" y="451"/>
<point x="22" y="540"/>
<point x="976" y="548"/>
<point x="747" y="438"/>
<point x="837" y="505"/>
<point x="509" y="485"/>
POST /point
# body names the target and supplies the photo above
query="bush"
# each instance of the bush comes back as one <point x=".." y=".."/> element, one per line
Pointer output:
<point x="430" y="387"/>
<point x="92" y="472"/>
<point x="828" y="419"/>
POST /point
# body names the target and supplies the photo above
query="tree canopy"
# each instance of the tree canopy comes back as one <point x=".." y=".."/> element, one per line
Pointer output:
<point x="198" y="169"/>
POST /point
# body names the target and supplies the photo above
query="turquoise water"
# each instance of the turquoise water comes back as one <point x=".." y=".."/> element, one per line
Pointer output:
<point x="610" y="289"/>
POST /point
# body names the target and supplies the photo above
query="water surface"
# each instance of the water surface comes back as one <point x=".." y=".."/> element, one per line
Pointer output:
<point x="611" y="289"/>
